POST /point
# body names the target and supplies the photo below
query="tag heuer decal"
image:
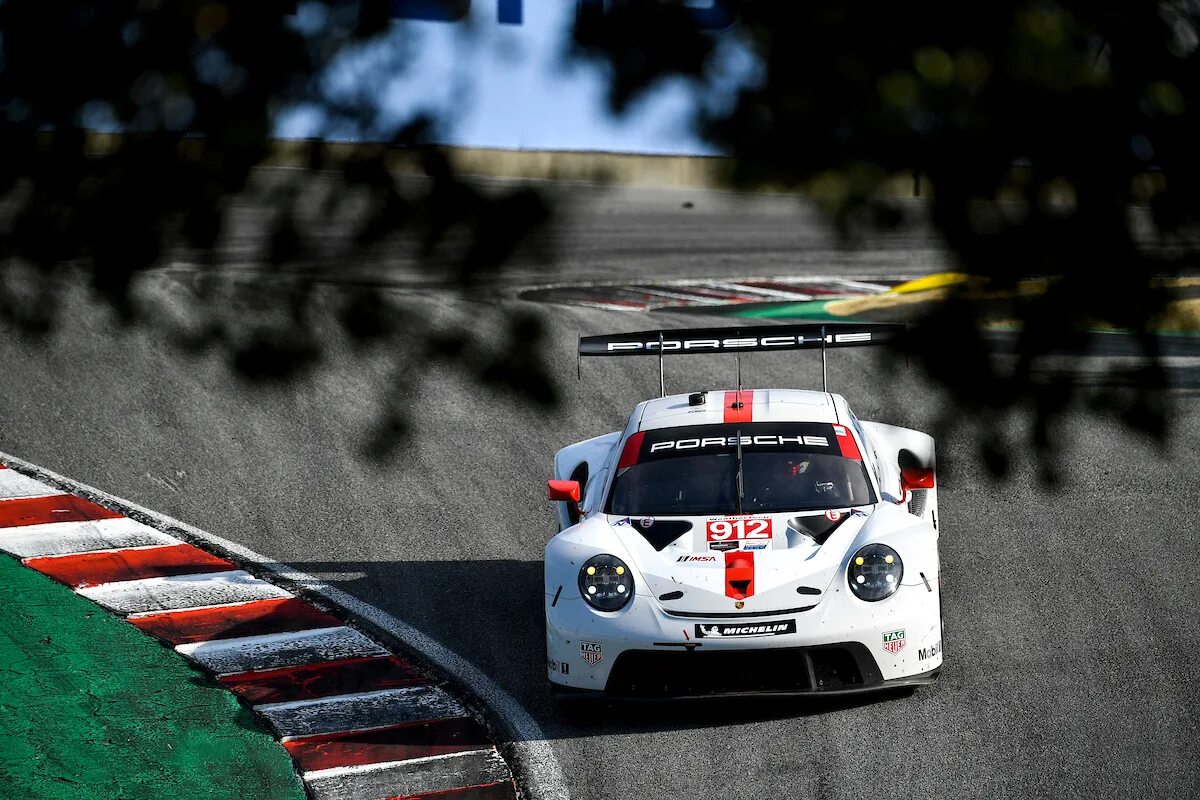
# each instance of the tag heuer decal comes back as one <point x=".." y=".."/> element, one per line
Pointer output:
<point x="591" y="652"/>
<point x="893" y="641"/>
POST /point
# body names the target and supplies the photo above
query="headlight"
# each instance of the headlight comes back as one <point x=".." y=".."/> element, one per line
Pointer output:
<point x="875" y="572"/>
<point x="605" y="582"/>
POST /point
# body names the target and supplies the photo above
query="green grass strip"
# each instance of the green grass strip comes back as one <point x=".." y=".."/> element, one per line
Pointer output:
<point x="803" y="310"/>
<point x="92" y="708"/>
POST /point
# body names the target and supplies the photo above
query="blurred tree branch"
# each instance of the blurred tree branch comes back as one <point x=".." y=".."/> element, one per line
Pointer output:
<point x="1058" y="138"/>
<point x="132" y="128"/>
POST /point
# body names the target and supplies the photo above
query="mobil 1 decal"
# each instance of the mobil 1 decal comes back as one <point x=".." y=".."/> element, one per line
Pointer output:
<point x="723" y="439"/>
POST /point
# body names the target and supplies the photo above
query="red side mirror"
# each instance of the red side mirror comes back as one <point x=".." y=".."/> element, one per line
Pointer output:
<point x="563" y="490"/>
<point x="916" y="478"/>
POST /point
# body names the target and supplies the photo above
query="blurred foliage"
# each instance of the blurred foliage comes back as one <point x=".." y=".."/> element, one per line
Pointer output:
<point x="193" y="87"/>
<point x="1051" y="138"/>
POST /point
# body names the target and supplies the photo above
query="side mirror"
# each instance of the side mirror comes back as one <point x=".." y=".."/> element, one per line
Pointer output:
<point x="916" y="478"/>
<point x="563" y="490"/>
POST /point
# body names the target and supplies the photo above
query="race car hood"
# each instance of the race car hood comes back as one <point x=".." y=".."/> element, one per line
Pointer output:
<point x="697" y="566"/>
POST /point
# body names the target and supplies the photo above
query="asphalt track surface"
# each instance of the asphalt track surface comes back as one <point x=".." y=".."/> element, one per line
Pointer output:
<point x="1070" y="644"/>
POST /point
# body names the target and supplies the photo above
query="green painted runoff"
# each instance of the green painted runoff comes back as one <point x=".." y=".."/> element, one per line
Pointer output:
<point x="92" y="708"/>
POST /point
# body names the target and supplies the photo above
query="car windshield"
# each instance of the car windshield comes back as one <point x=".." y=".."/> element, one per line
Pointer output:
<point x="693" y="471"/>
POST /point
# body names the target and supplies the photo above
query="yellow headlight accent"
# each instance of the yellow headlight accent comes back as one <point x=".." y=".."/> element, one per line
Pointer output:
<point x="591" y="570"/>
<point x="859" y="561"/>
<point x="888" y="559"/>
<point x="620" y="570"/>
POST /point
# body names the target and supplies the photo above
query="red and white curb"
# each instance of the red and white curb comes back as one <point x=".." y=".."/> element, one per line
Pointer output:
<point x="360" y="722"/>
<point x="665" y="295"/>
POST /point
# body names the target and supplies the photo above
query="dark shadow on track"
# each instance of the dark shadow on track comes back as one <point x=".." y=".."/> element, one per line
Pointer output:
<point x="507" y="641"/>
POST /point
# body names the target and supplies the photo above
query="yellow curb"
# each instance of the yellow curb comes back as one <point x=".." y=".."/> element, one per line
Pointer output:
<point x="859" y="305"/>
<point x="937" y="280"/>
<point x="1182" y="315"/>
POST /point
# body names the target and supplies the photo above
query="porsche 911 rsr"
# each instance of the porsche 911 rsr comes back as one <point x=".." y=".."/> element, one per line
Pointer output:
<point x="748" y="540"/>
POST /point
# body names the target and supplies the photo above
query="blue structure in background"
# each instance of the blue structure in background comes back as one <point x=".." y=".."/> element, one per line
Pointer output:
<point x="499" y="76"/>
<point x="431" y="10"/>
<point x="718" y="14"/>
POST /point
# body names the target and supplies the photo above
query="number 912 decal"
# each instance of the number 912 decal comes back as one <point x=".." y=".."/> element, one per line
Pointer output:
<point x="722" y="530"/>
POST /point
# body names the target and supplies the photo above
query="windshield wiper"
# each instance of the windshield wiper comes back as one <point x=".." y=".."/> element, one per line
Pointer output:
<point x="738" y="478"/>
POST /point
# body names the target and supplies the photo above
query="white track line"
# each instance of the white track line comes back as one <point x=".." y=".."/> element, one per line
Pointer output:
<point x="364" y="711"/>
<point x="109" y="547"/>
<point x="537" y="768"/>
<point x="337" y="772"/>
<point x="694" y="299"/>
<point x="67" y="538"/>
<point x="288" y="705"/>
<point x="412" y="777"/>
<point x="279" y="650"/>
<point x="14" y="485"/>
<point x="140" y="614"/>
<point x="182" y="591"/>
<point x="758" y="291"/>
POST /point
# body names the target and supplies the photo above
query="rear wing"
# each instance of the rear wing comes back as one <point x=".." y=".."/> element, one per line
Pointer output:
<point x="749" y="339"/>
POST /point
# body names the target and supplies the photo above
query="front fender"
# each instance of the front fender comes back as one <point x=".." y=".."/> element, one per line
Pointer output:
<point x="583" y="462"/>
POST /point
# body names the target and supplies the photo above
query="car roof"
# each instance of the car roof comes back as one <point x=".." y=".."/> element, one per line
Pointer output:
<point x="717" y="406"/>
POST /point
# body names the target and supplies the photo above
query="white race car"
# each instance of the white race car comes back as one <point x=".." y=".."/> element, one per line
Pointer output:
<point x="743" y="541"/>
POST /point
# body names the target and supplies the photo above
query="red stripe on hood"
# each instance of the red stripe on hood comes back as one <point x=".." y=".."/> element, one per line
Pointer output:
<point x="739" y="406"/>
<point x="739" y="574"/>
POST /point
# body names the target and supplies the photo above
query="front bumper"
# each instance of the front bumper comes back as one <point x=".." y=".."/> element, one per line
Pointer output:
<point x="840" y="646"/>
<point x="679" y="689"/>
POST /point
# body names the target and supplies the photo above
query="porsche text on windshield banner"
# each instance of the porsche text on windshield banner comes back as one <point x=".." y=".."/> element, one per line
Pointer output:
<point x="752" y="339"/>
<point x="807" y="437"/>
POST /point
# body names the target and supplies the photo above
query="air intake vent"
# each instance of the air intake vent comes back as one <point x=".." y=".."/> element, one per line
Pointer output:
<point x="660" y="533"/>
<point x="819" y="527"/>
<point x="916" y="506"/>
